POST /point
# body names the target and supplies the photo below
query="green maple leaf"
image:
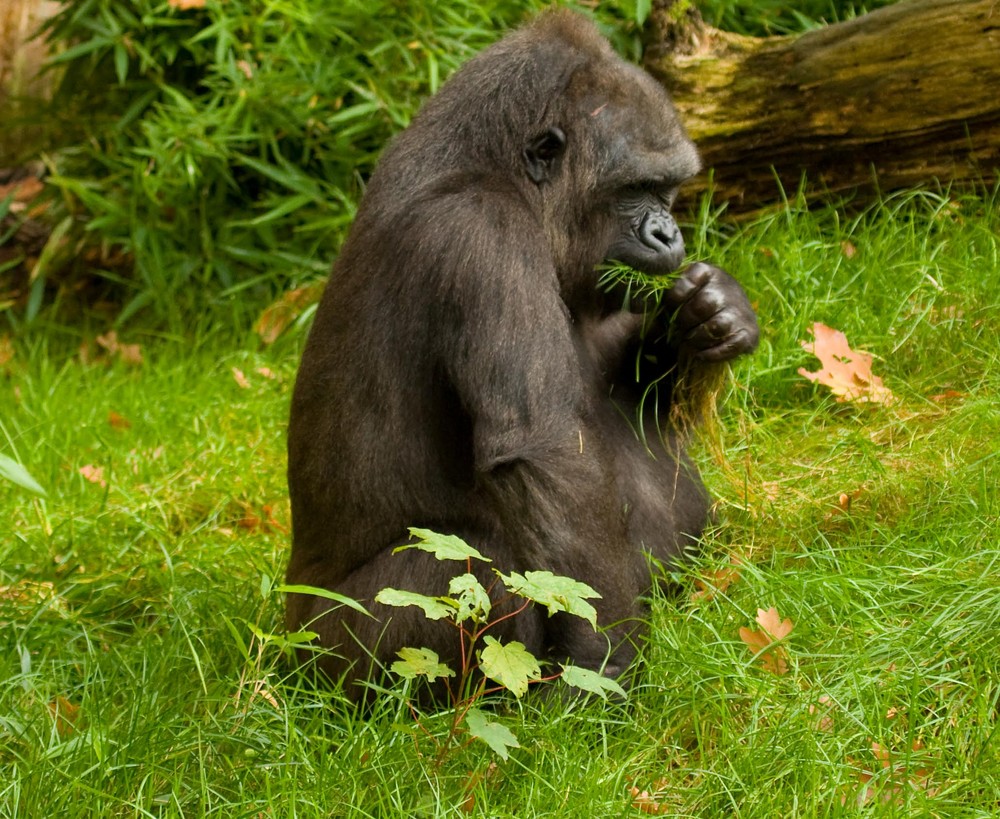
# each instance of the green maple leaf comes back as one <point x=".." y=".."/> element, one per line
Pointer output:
<point x="555" y="592"/>
<point x="587" y="680"/>
<point x="473" y="600"/>
<point x="443" y="547"/>
<point x="497" y="736"/>
<point x="509" y="664"/>
<point x="435" y="608"/>
<point x="420" y="662"/>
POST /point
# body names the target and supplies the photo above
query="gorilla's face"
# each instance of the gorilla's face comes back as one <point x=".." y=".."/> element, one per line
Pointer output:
<point x="621" y="154"/>
<point x="648" y="157"/>
<point x="648" y="237"/>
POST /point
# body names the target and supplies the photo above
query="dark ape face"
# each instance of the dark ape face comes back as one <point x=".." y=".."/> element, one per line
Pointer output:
<point x="621" y="136"/>
<point x="647" y="157"/>
<point x="649" y="239"/>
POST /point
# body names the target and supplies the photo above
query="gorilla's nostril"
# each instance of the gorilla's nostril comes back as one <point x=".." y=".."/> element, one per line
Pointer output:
<point x="662" y="236"/>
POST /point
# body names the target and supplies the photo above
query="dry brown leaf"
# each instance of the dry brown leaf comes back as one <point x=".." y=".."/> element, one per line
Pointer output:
<point x="186" y="5"/>
<point x="240" y="378"/>
<point x="90" y="352"/>
<point x="824" y="708"/>
<point x="645" y="802"/>
<point x="267" y="372"/>
<point x="847" y="372"/>
<point x="773" y="658"/>
<point x="118" y="421"/>
<point x="717" y="582"/>
<point x="263" y="522"/>
<point x="24" y="190"/>
<point x="772" y="623"/>
<point x="28" y="591"/>
<point x="276" y="318"/>
<point x="940" y="398"/>
<point x="94" y="474"/>
<point x="848" y="249"/>
<point x="6" y="350"/>
<point x="66" y="716"/>
<point x="895" y="778"/>
<point x="475" y="778"/>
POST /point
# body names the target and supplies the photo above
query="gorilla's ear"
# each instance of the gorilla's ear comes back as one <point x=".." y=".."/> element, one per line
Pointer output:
<point x="543" y="152"/>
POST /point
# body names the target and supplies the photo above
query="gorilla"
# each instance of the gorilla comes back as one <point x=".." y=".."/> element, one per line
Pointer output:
<point x="466" y="372"/>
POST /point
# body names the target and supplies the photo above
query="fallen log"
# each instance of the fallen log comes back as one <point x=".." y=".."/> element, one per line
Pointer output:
<point x="899" y="97"/>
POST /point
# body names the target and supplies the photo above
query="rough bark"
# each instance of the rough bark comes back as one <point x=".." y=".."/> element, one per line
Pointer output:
<point x="899" y="97"/>
<point x="21" y="58"/>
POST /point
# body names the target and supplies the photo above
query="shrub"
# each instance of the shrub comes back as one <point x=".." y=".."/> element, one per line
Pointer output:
<point x="224" y="144"/>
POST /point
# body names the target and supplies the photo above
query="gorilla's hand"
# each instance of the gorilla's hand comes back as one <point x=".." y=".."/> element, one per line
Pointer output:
<point x="713" y="319"/>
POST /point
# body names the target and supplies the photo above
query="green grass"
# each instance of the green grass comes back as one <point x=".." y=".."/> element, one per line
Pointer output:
<point x="126" y="607"/>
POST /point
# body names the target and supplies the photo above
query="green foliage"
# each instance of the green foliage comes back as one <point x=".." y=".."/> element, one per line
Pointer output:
<point x="510" y="665"/>
<point x="763" y="17"/>
<point x="588" y="680"/>
<point x="498" y="736"/>
<point x="12" y="471"/>
<point x="443" y="547"/>
<point x="420" y="662"/>
<point x="555" y="593"/>
<point x="226" y="147"/>
<point x="434" y="608"/>
<point x="326" y="594"/>
<point x="472" y="600"/>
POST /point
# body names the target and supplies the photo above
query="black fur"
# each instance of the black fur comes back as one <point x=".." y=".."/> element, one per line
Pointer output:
<point x="466" y="374"/>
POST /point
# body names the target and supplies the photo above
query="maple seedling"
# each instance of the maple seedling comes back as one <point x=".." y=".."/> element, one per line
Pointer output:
<point x="487" y="664"/>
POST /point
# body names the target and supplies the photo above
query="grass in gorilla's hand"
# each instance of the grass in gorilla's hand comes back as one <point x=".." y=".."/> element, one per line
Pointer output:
<point x="695" y="390"/>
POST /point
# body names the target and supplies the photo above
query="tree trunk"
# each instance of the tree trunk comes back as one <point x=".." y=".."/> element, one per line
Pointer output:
<point x="896" y="98"/>
<point x="21" y="59"/>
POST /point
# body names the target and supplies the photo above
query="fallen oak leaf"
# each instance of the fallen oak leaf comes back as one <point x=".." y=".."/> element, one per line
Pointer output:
<point x="645" y="802"/>
<point x="773" y="658"/>
<point x="6" y="350"/>
<point x="106" y="347"/>
<point x="279" y="316"/>
<point x="241" y="380"/>
<point x="127" y="353"/>
<point x="947" y="395"/>
<point x="94" y="474"/>
<point x="24" y="191"/>
<point x="66" y="716"/>
<point x="772" y="623"/>
<point x="847" y="372"/>
<point x="894" y="778"/>
<point x="118" y="421"/>
<point x="717" y="582"/>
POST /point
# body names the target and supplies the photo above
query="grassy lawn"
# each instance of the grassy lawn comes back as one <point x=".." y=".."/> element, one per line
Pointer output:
<point x="140" y="677"/>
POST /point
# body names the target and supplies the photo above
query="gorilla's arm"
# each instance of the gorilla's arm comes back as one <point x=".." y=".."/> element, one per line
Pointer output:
<point x="512" y="358"/>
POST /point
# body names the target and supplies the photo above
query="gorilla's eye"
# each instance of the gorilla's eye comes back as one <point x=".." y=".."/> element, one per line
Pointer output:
<point x="648" y="187"/>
